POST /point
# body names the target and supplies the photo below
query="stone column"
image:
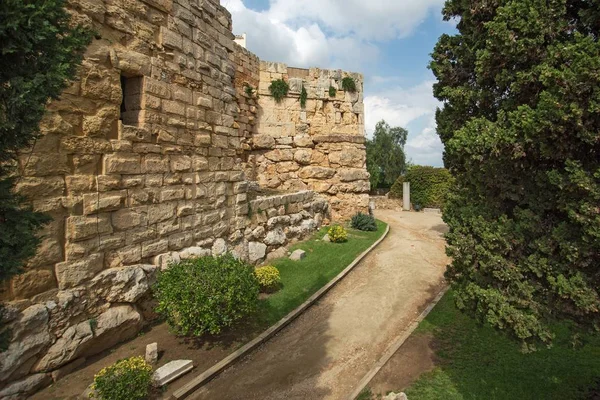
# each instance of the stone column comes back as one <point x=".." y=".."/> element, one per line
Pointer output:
<point x="406" y="196"/>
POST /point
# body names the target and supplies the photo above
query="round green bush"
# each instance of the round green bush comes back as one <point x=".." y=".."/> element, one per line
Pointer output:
<point x="337" y="234"/>
<point x="268" y="277"/>
<point x="429" y="186"/>
<point x="127" y="379"/>
<point x="363" y="222"/>
<point x="206" y="294"/>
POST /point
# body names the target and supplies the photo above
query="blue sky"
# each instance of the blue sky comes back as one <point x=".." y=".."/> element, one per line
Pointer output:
<point x="389" y="41"/>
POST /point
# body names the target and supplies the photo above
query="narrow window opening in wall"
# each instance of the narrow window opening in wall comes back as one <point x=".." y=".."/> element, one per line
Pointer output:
<point x="131" y="104"/>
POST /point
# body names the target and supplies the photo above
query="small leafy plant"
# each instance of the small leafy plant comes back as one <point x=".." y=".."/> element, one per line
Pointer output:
<point x="249" y="90"/>
<point x="348" y="84"/>
<point x="303" y="97"/>
<point x="127" y="379"/>
<point x="279" y="89"/>
<point x="268" y="278"/>
<point x="364" y="222"/>
<point x="332" y="91"/>
<point x="337" y="234"/>
<point x="206" y="294"/>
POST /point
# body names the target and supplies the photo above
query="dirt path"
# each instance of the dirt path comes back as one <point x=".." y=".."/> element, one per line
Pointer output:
<point x="327" y="350"/>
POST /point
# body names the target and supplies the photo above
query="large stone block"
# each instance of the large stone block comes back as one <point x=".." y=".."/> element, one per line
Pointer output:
<point x="316" y="173"/>
<point x="83" y="227"/>
<point x="122" y="163"/>
<point x="70" y="274"/>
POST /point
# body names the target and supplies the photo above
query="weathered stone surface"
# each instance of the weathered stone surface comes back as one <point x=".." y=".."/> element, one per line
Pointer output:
<point x="92" y="336"/>
<point x="115" y="325"/>
<point x="193" y="252"/>
<point x="348" y="175"/>
<point x="152" y="353"/>
<point x="25" y="386"/>
<point x="171" y="371"/>
<point x="65" y="349"/>
<point x="29" y="336"/>
<point x="70" y="274"/>
<point x="219" y="247"/>
<point x="125" y="284"/>
<point x="275" y="237"/>
<point x="316" y="173"/>
<point x="263" y="142"/>
<point x="297" y="255"/>
<point x="256" y="251"/>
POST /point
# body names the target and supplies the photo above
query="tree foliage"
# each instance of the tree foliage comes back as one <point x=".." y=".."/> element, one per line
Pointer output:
<point x="385" y="154"/>
<point x="520" y="84"/>
<point x="40" y="51"/>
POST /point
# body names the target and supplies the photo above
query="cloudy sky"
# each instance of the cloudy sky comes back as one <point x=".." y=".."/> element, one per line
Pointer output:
<point x="389" y="41"/>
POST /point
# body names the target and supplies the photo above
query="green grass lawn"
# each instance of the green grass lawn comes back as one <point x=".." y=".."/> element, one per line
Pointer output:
<point x="323" y="261"/>
<point x="477" y="362"/>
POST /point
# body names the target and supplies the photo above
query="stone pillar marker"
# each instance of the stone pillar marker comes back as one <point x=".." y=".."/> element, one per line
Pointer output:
<point x="406" y="196"/>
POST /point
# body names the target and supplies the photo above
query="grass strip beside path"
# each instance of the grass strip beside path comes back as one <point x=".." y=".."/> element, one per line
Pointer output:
<point x="323" y="261"/>
<point x="477" y="362"/>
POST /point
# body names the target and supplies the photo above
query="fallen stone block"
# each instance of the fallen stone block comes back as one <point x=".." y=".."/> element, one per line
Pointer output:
<point x="298" y="255"/>
<point x="395" y="396"/>
<point x="152" y="353"/>
<point x="326" y="238"/>
<point x="171" y="371"/>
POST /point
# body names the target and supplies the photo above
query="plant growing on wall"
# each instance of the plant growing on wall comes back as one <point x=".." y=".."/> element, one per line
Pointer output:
<point x="348" y="84"/>
<point x="249" y="90"/>
<point x="519" y="86"/>
<point x="332" y="91"/>
<point x="279" y="89"/>
<point x="303" y="97"/>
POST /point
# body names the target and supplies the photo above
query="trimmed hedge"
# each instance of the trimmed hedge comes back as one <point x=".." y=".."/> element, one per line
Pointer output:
<point x="429" y="186"/>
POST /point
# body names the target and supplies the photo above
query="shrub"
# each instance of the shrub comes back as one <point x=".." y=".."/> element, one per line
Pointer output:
<point x="332" y="91"/>
<point x="429" y="186"/>
<point x="127" y="379"/>
<point x="279" y="89"/>
<point x="337" y="234"/>
<point x="364" y="222"/>
<point x="206" y="294"/>
<point x="268" y="277"/>
<point x="348" y="84"/>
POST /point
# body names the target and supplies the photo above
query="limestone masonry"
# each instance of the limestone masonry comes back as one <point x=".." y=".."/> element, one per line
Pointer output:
<point x="168" y="146"/>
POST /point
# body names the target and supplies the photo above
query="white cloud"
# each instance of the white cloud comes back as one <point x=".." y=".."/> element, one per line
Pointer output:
<point x="305" y="45"/>
<point x="399" y="106"/>
<point x="405" y="107"/>
<point x="426" y="148"/>
<point x="370" y="20"/>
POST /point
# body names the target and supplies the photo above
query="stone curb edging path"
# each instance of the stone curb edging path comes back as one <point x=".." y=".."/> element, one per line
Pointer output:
<point x="216" y="369"/>
<point x="395" y="346"/>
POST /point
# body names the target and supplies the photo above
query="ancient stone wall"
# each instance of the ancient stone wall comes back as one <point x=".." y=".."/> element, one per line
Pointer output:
<point x="318" y="147"/>
<point x="143" y="162"/>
